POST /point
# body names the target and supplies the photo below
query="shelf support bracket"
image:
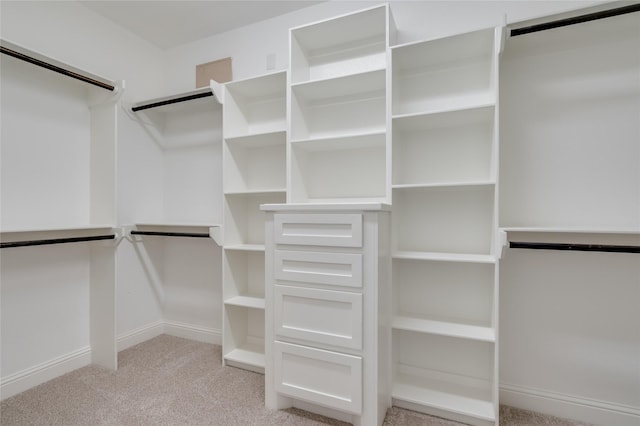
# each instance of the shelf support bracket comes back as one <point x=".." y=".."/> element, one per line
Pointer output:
<point x="215" y="232"/>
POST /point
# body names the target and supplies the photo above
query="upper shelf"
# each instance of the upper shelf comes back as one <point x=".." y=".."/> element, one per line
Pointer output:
<point x="179" y="97"/>
<point x="36" y="58"/>
<point x="48" y="236"/>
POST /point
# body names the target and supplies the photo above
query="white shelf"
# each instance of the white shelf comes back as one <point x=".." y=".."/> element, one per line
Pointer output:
<point x="451" y="185"/>
<point x="443" y="395"/>
<point x="177" y="101"/>
<point x="245" y="247"/>
<point x="259" y="140"/>
<point x="595" y="231"/>
<point x="445" y="328"/>
<point x="246" y="301"/>
<point x="265" y="191"/>
<point x="251" y="354"/>
<point x="366" y="82"/>
<point x="444" y="257"/>
<point x="64" y="229"/>
<point x="345" y="141"/>
<point x="23" y="51"/>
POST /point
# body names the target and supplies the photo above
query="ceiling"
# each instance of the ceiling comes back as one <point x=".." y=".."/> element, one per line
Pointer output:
<point x="171" y="23"/>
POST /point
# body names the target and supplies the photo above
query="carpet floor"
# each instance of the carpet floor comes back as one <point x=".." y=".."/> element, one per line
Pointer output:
<point x="172" y="381"/>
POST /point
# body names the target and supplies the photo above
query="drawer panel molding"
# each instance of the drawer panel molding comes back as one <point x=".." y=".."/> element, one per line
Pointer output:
<point x="339" y="269"/>
<point x="333" y="230"/>
<point x="319" y="316"/>
<point x="327" y="378"/>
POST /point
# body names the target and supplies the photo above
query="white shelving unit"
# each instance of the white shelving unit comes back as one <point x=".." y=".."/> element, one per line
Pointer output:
<point x="254" y="173"/>
<point x="445" y="269"/>
<point x="58" y="186"/>
<point x="337" y="109"/>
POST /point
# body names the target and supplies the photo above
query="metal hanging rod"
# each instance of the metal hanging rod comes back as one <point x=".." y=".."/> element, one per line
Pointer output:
<point x="56" y="68"/>
<point x="171" y="234"/>
<point x="172" y="101"/>
<point x="575" y="247"/>
<point x="576" y="20"/>
<point x="56" y="241"/>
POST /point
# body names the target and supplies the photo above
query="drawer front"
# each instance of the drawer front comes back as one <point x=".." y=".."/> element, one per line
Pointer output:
<point x="340" y="269"/>
<point x="319" y="316"/>
<point x="336" y="230"/>
<point x="322" y="377"/>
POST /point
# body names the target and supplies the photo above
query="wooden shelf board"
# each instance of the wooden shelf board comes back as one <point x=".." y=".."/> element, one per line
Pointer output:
<point x="250" y="354"/>
<point x="444" y="257"/>
<point x="445" y="328"/>
<point x="451" y="184"/>
<point x="259" y="140"/>
<point x="442" y="395"/>
<point x="257" y="191"/>
<point x="343" y="85"/>
<point x="245" y="247"/>
<point x="246" y="301"/>
<point x="65" y="229"/>
<point x="451" y="104"/>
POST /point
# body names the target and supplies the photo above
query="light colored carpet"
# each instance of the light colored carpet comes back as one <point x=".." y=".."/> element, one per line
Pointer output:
<point x="172" y="381"/>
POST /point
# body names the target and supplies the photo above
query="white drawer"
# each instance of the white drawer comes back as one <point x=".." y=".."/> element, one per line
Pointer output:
<point x="337" y="230"/>
<point x="340" y="269"/>
<point x="319" y="316"/>
<point x="322" y="377"/>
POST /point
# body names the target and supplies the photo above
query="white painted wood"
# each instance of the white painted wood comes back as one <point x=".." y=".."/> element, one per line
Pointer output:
<point x="102" y="305"/>
<point x="319" y="316"/>
<point x="338" y="230"/>
<point x="443" y="110"/>
<point x="327" y="378"/>
<point x="254" y="173"/>
<point x="450" y="220"/>
<point x="438" y="74"/>
<point x="339" y="46"/>
<point x="315" y="314"/>
<point x="255" y="106"/>
<point x="446" y="147"/>
<point x="337" y="269"/>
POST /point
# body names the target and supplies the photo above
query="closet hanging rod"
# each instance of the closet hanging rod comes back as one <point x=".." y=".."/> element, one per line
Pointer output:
<point x="172" y="101"/>
<point x="56" y="241"/>
<point x="575" y="247"/>
<point x="576" y="20"/>
<point x="171" y="234"/>
<point x="55" y="68"/>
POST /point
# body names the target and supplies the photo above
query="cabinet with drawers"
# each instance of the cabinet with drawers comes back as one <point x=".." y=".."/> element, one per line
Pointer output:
<point x="327" y="334"/>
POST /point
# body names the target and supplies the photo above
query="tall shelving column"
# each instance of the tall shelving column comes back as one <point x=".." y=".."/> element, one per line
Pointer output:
<point x="337" y="109"/>
<point x="254" y="173"/>
<point x="445" y="267"/>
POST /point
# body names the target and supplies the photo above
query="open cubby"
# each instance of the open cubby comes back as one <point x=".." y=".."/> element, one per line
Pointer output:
<point x="343" y="106"/>
<point x="444" y="148"/>
<point x="243" y="339"/>
<point x="244" y="271"/>
<point x="256" y="105"/>
<point x="444" y="74"/>
<point x="451" y="292"/>
<point x="339" y="169"/>
<point x="444" y="373"/>
<point x="350" y="44"/>
<point x="455" y="220"/>
<point x="244" y="221"/>
<point x="255" y="163"/>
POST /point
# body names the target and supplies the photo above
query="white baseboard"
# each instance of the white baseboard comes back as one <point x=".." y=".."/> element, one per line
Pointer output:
<point x="192" y="332"/>
<point x="139" y="335"/>
<point x="569" y="406"/>
<point x="26" y="379"/>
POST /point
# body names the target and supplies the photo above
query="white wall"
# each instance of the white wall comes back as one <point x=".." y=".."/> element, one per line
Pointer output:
<point x="415" y="20"/>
